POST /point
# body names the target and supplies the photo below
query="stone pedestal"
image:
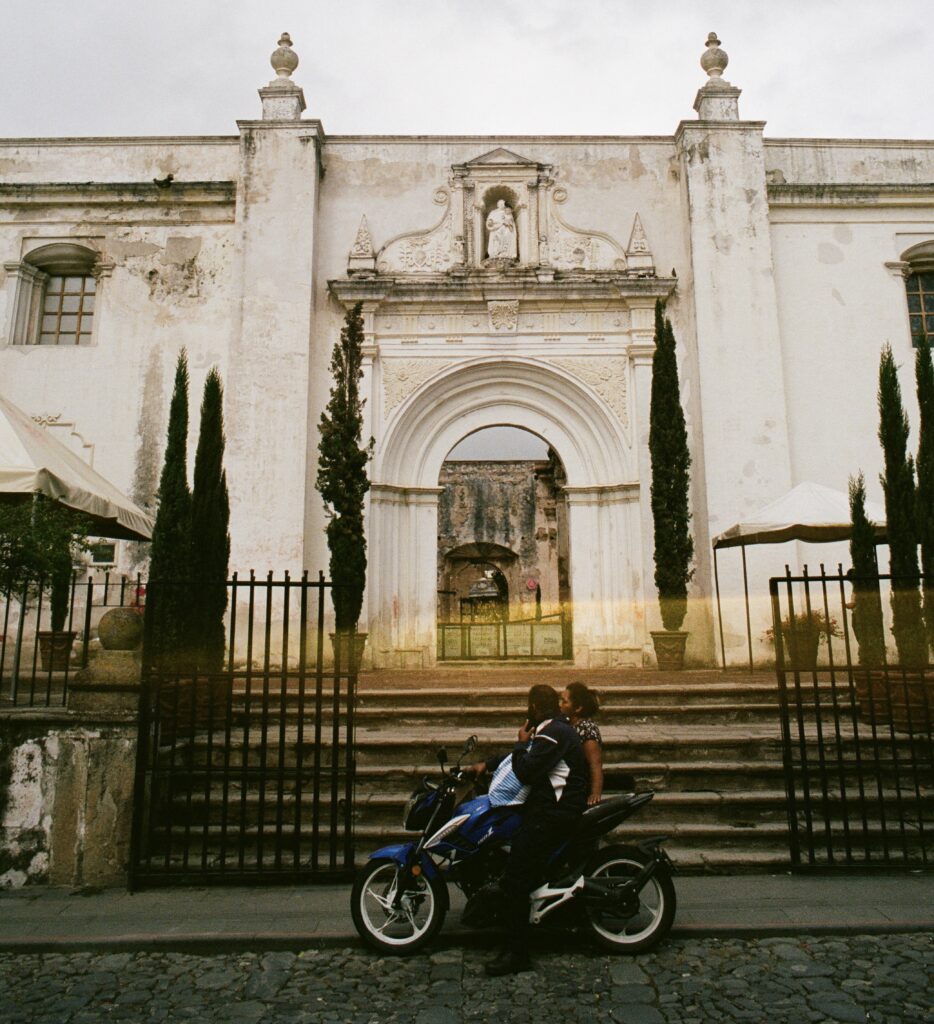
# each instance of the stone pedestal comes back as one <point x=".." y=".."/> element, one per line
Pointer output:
<point x="110" y="683"/>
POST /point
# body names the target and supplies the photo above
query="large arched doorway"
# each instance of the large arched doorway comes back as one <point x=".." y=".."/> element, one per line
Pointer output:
<point x="503" y="556"/>
<point x="600" y="489"/>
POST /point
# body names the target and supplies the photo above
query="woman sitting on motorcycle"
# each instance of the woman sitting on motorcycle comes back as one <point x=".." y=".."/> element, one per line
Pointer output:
<point x="553" y="766"/>
<point x="580" y="704"/>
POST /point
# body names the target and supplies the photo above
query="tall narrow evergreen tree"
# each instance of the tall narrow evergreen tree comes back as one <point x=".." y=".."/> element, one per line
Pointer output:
<point x="671" y="463"/>
<point x="342" y="477"/>
<point x="924" y="504"/>
<point x="898" y="483"/>
<point x="168" y="601"/>
<point x="210" y="537"/>
<point x="867" y="602"/>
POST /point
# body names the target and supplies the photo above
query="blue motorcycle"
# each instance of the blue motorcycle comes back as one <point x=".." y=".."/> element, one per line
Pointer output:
<point x="623" y="895"/>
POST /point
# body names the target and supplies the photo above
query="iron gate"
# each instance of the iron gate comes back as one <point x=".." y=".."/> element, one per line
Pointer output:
<point x="857" y="742"/>
<point x="246" y="774"/>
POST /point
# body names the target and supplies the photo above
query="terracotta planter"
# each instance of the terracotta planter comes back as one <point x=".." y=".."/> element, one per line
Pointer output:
<point x="55" y="649"/>
<point x="904" y="700"/>
<point x="669" y="649"/>
<point x="348" y="650"/>
<point x="801" y="648"/>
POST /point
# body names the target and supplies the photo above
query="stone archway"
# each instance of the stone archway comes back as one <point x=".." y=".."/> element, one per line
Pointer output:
<point x="602" y="495"/>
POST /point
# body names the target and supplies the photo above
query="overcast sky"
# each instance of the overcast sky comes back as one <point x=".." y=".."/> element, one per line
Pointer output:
<point x="172" y="67"/>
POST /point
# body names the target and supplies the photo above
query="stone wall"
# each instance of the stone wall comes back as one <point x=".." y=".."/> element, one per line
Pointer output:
<point x="66" y="797"/>
<point x="507" y="514"/>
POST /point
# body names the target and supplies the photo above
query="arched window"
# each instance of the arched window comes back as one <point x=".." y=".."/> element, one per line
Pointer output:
<point x="56" y="289"/>
<point x="919" y="286"/>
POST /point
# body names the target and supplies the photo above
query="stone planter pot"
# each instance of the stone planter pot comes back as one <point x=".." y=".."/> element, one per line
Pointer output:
<point x="55" y="649"/>
<point x="348" y="650"/>
<point x="904" y="700"/>
<point x="669" y="649"/>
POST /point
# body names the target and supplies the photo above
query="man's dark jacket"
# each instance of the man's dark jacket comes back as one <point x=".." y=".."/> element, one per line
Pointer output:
<point x="554" y="766"/>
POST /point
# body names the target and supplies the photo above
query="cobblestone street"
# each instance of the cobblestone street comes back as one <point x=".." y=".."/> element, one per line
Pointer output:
<point x="861" y="979"/>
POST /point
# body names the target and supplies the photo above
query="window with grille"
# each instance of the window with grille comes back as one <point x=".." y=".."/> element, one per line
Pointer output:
<point x="67" y="310"/>
<point x="920" y="288"/>
<point x="54" y="291"/>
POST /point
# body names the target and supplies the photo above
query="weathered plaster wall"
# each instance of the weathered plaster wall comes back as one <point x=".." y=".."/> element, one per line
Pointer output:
<point x="206" y="158"/>
<point x="169" y="283"/>
<point x="65" y="799"/>
<point x="845" y="161"/>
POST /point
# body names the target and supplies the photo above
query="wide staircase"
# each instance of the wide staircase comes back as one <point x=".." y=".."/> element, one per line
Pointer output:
<point x="708" y="743"/>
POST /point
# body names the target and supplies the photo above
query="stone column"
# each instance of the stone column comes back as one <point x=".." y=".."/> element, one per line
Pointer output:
<point x="268" y="379"/>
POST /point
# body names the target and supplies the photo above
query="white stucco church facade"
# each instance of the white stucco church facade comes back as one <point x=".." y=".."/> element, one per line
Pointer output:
<point x="503" y="281"/>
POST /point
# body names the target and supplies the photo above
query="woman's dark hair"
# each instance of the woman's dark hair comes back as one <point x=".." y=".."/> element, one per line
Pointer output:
<point x="583" y="698"/>
<point x="543" y="702"/>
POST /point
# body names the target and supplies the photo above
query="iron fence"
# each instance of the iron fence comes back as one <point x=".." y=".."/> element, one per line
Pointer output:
<point x="37" y="662"/>
<point x="857" y="740"/>
<point x="247" y="773"/>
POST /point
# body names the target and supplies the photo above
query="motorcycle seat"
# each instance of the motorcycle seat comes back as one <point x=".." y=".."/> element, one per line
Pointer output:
<point x="616" y="807"/>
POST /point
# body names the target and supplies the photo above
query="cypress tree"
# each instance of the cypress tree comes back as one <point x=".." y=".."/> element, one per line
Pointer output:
<point x="168" y="600"/>
<point x="898" y="483"/>
<point x="867" y="602"/>
<point x="671" y="463"/>
<point x="342" y="478"/>
<point x="210" y="537"/>
<point x="924" y="504"/>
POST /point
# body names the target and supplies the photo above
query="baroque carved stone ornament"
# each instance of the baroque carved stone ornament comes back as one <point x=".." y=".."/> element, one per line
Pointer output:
<point x="504" y="316"/>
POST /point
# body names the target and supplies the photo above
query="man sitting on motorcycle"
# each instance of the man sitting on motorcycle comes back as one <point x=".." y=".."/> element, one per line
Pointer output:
<point x="553" y="765"/>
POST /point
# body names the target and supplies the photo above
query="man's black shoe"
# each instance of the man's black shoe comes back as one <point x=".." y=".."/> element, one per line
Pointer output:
<point x="508" y="962"/>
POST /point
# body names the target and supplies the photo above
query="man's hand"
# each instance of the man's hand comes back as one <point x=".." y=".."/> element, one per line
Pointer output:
<point x="478" y="769"/>
<point x="525" y="732"/>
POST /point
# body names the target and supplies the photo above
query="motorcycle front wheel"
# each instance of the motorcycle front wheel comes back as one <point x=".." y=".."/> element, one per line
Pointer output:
<point x="657" y="903"/>
<point x="391" y="921"/>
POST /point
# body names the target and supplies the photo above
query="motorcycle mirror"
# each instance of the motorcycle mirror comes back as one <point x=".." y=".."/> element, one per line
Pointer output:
<point x="470" y="745"/>
<point x="442" y="757"/>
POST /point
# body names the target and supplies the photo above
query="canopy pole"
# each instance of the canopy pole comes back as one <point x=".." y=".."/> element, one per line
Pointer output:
<point x="716" y="579"/>
<point x="746" y="596"/>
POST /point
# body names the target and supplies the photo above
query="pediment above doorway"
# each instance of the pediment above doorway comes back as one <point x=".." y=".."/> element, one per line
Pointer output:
<point x="501" y="217"/>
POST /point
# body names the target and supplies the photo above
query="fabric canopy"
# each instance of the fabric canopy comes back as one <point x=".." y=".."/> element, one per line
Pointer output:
<point x="32" y="460"/>
<point x="808" y="512"/>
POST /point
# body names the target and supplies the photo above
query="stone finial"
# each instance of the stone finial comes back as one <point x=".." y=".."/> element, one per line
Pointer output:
<point x="362" y="258"/>
<point x="717" y="100"/>
<point x="638" y="254"/>
<point x="282" y="99"/>
<point x="284" y="59"/>
<point x="713" y="59"/>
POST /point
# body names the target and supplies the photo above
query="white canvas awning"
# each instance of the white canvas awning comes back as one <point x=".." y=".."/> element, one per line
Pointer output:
<point x="808" y="512"/>
<point x="32" y="460"/>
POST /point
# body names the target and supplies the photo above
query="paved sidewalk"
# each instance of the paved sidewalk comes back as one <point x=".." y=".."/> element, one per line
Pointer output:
<point x="299" y="917"/>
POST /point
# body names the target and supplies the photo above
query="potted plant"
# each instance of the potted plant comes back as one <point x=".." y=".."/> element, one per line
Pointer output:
<point x="671" y="463"/>
<point x="38" y="544"/>
<point x="343" y="483"/>
<point x="802" y="635"/>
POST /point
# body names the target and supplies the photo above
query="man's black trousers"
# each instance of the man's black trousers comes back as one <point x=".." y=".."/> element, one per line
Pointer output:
<point x="538" y="836"/>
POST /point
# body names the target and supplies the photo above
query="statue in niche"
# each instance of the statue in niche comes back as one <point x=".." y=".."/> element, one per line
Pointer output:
<point x="501" y="226"/>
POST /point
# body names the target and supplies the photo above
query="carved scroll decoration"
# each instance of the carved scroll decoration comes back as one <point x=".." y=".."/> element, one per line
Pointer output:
<point x="571" y="248"/>
<point x="422" y="252"/>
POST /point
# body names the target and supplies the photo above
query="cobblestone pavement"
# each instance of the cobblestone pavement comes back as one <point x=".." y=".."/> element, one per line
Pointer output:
<point x="801" y="980"/>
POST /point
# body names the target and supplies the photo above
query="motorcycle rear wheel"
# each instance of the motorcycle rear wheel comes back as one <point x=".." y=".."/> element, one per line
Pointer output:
<point x="410" y="924"/>
<point x="657" y="902"/>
